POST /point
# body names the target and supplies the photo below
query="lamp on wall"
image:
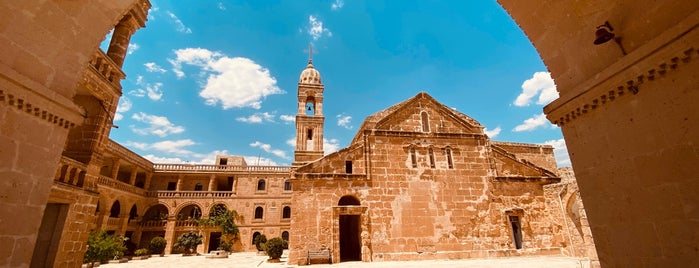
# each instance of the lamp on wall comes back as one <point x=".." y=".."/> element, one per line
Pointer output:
<point x="604" y="33"/>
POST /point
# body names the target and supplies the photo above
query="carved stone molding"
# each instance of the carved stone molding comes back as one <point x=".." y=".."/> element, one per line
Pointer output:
<point x="34" y="109"/>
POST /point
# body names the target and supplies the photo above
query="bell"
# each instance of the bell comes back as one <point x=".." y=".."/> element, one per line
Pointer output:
<point x="309" y="108"/>
<point x="603" y="34"/>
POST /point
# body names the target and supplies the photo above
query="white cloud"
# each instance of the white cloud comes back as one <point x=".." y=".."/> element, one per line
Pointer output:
<point x="560" y="151"/>
<point x="232" y="82"/>
<point x="533" y="123"/>
<point x="287" y="118"/>
<point x="153" y="91"/>
<point x="124" y="106"/>
<point x="257" y="118"/>
<point x="268" y="148"/>
<point x="330" y="146"/>
<point x="316" y="29"/>
<point x="338" y="4"/>
<point x="179" y="26"/>
<point x="132" y="48"/>
<point x="221" y="6"/>
<point x="158" y="125"/>
<point x="291" y="142"/>
<point x="540" y="84"/>
<point x="164" y="160"/>
<point x="492" y="133"/>
<point x="152" y="67"/>
<point x="259" y="161"/>
<point x="174" y="147"/>
<point x="344" y="121"/>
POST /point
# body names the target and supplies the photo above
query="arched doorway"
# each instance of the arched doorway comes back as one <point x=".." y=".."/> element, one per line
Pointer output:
<point x="350" y="230"/>
<point x="115" y="210"/>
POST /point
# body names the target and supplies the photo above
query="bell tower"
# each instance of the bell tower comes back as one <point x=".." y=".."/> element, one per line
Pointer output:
<point x="309" y="119"/>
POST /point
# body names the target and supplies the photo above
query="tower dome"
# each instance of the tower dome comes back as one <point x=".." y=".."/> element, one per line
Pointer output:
<point x="310" y="75"/>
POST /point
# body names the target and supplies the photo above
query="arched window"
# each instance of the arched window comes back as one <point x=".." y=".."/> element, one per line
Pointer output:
<point x="431" y="153"/>
<point x="116" y="210"/>
<point x="348" y="200"/>
<point x="425" y="122"/>
<point x="261" y="185"/>
<point x="413" y="157"/>
<point x="286" y="212"/>
<point x="450" y="161"/>
<point x="287" y="185"/>
<point x="198" y="187"/>
<point x="285" y="235"/>
<point x="259" y="212"/>
<point x="254" y="235"/>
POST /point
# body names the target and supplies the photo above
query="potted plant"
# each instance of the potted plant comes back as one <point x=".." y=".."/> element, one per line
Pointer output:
<point x="259" y="241"/>
<point x="141" y="254"/>
<point x="274" y="248"/>
<point x="157" y="245"/>
<point x="189" y="242"/>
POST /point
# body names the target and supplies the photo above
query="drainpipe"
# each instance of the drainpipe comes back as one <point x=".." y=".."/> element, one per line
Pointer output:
<point x="565" y="220"/>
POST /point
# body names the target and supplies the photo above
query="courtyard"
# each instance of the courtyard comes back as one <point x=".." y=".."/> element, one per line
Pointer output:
<point x="251" y="259"/>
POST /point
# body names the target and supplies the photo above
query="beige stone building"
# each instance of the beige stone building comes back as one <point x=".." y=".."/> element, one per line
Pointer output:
<point x="628" y="117"/>
<point x="421" y="181"/>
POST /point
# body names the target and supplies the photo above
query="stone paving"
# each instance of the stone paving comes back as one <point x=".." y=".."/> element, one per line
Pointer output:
<point x="249" y="259"/>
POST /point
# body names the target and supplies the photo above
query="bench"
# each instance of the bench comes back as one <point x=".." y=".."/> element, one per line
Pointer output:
<point x="319" y="256"/>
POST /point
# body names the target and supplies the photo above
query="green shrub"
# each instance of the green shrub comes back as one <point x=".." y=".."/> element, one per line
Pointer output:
<point x="157" y="245"/>
<point x="189" y="242"/>
<point x="141" y="252"/>
<point x="259" y="241"/>
<point x="223" y="245"/>
<point x="275" y="247"/>
<point x="102" y="247"/>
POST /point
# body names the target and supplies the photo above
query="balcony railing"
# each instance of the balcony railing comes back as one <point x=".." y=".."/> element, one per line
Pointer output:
<point x="191" y="194"/>
<point x="74" y="173"/>
<point x="113" y="221"/>
<point x="115" y="184"/>
<point x="158" y="223"/>
<point x="106" y="68"/>
<point x="218" y="168"/>
<point x="127" y="154"/>
<point x="186" y="223"/>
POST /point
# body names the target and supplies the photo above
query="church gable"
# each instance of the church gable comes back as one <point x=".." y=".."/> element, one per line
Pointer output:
<point x="421" y="113"/>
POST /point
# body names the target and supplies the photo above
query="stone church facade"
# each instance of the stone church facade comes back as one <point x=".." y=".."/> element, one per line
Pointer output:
<point x="422" y="181"/>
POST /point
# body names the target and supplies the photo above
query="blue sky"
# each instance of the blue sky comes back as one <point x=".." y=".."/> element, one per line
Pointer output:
<point x="220" y="77"/>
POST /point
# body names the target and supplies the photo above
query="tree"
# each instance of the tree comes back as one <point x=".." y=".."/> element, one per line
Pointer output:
<point x="275" y="247"/>
<point x="157" y="245"/>
<point x="225" y="219"/>
<point x="259" y="241"/>
<point x="102" y="247"/>
<point x="189" y="242"/>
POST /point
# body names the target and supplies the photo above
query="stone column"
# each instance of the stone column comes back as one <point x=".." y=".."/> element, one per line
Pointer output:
<point x="134" y="172"/>
<point x="120" y="40"/>
<point x="115" y="168"/>
<point x="123" y="223"/>
<point x="212" y="182"/>
<point x="170" y="233"/>
<point x="146" y="185"/>
<point x="179" y="182"/>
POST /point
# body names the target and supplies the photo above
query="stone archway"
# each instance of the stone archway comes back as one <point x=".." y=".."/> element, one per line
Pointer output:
<point x="348" y="229"/>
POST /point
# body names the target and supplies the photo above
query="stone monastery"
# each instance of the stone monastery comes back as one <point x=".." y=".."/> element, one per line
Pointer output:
<point x="418" y="181"/>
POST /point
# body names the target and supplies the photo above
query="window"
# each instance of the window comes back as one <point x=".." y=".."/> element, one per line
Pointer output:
<point x="425" y="122"/>
<point x="285" y="236"/>
<point x="309" y="135"/>
<point x="261" y="185"/>
<point x="171" y="186"/>
<point x="259" y="213"/>
<point x="287" y="185"/>
<point x="198" y="187"/>
<point x="431" y="152"/>
<point x="223" y="161"/>
<point x="254" y="235"/>
<point x="413" y="157"/>
<point x="286" y="212"/>
<point x="516" y="231"/>
<point x="348" y="167"/>
<point x="450" y="162"/>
